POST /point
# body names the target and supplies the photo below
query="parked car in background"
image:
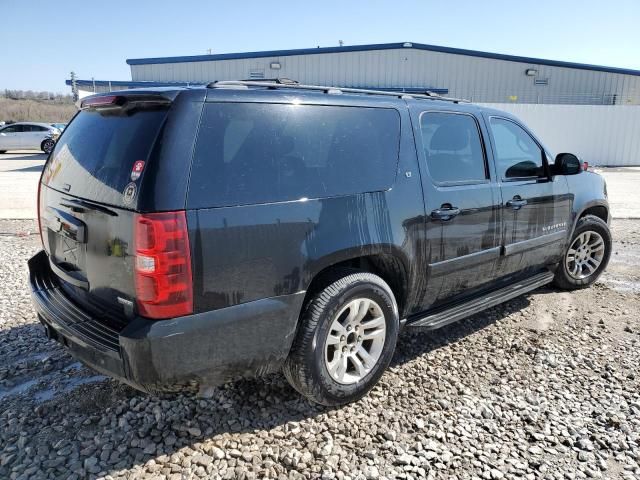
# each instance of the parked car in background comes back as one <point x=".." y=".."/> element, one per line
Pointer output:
<point x="194" y="236"/>
<point x="59" y="126"/>
<point x="28" y="136"/>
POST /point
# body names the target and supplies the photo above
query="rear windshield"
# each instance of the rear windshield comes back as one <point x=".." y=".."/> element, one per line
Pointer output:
<point x="250" y="153"/>
<point x="95" y="156"/>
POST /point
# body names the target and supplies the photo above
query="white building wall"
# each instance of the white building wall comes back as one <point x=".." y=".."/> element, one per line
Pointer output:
<point x="599" y="134"/>
<point x="476" y="78"/>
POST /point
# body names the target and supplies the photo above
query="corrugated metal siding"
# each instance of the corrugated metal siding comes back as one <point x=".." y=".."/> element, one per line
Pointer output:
<point x="599" y="134"/>
<point x="478" y="79"/>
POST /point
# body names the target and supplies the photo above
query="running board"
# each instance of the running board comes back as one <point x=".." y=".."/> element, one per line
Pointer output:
<point x="443" y="317"/>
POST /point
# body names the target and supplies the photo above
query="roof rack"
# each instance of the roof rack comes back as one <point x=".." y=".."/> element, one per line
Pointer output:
<point x="279" y="81"/>
<point x="288" y="83"/>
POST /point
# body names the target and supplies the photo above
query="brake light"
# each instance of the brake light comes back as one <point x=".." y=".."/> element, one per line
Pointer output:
<point x="103" y="101"/>
<point x="164" y="286"/>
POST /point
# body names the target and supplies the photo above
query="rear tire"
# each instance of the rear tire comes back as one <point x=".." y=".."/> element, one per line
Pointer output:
<point x="587" y="254"/>
<point x="345" y="341"/>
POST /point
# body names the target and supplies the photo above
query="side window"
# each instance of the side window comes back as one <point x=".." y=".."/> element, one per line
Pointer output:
<point x="12" y="129"/>
<point x="517" y="155"/>
<point x="257" y="153"/>
<point x="452" y="147"/>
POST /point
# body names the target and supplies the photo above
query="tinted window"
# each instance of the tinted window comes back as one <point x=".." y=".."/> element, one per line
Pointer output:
<point x="96" y="154"/>
<point x="12" y="129"/>
<point x="34" y="128"/>
<point x="517" y="155"/>
<point x="257" y="153"/>
<point x="452" y="147"/>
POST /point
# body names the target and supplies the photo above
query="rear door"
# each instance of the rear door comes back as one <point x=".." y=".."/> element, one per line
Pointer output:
<point x="31" y="137"/>
<point x="90" y="190"/>
<point x="536" y="206"/>
<point x="37" y="134"/>
<point x="462" y="205"/>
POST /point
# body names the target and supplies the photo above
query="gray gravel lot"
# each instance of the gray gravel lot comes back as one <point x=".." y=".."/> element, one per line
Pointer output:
<point x="545" y="386"/>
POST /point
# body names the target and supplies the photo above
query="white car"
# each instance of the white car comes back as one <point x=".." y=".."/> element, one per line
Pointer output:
<point x="28" y="136"/>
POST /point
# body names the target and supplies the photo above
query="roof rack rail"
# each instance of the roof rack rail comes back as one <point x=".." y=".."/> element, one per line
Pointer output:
<point x="287" y="83"/>
<point x="279" y="81"/>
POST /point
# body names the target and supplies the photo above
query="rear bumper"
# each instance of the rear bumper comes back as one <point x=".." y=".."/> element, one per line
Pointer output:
<point x="209" y="348"/>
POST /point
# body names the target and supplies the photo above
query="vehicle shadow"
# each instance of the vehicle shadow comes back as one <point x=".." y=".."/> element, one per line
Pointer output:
<point x="429" y="340"/>
<point x="141" y="427"/>
<point x="23" y="156"/>
<point x="34" y="168"/>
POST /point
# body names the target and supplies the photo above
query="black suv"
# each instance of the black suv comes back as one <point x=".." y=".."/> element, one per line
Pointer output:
<point x="194" y="236"/>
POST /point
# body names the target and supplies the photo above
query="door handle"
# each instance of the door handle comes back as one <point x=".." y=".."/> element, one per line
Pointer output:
<point x="445" y="213"/>
<point x="516" y="203"/>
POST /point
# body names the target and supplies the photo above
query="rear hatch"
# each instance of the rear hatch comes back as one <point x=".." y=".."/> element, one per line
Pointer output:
<point x="91" y="189"/>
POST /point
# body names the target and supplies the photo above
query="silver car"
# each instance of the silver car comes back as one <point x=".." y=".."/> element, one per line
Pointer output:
<point x="28" y="136"/>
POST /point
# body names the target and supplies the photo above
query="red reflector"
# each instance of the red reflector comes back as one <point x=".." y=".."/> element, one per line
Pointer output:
<point x="40" y="209"/>
<point x="163" y="279"/>
<point x="103" y="101"/>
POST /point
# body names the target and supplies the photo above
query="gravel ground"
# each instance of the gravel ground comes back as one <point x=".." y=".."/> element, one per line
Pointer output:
<point x="545" y="386"/>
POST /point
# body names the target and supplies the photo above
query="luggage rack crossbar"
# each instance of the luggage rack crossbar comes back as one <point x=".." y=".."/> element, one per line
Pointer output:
<point x="292" y="84"/>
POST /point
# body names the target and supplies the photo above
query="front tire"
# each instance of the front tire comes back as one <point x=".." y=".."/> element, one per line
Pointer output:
<point x="345" y="341"/>
<point x="47" y="146"/>
<point x="586" y="256"/>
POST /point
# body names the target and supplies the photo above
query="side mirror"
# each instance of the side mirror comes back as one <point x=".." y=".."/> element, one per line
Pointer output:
<point x="567" y="164"/>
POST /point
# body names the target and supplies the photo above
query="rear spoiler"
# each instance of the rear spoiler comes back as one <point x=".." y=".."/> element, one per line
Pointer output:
<point x="126" y="100"/>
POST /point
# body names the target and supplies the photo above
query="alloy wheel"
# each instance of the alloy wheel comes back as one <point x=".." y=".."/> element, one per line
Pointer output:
<point x="48" y="146"/>
<point x="355" y="341"/>
<point x="585" y="255"/>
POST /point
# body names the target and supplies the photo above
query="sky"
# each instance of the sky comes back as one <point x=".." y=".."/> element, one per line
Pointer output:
<point x="41" y="42"/>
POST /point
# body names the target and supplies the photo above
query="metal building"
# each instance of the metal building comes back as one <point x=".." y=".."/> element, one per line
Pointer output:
<point x="474" y="75"/>
<point x="588" y="109"/>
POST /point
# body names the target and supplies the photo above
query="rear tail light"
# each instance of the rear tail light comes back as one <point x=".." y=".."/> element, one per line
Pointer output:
<point x="585" y="166"/>
<point x="164" y="286"/>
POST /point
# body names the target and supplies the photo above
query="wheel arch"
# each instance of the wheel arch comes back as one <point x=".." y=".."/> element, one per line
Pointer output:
<point x="597" y="208"/>
<point x="391" y="266"/>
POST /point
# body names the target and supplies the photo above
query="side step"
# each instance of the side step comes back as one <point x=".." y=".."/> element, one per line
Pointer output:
<point x="445" y="316"/>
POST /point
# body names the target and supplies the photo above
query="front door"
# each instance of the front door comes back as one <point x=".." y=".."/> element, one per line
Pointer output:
<point x="462" y="205"/>
<point x="10" y="137"/>
<point x="536" y="206"/>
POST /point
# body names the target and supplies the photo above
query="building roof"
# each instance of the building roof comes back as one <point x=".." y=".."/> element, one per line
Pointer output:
<point x="145" y="83"/>
<point x="131" y="83"/>
<point x="379" y="46"/>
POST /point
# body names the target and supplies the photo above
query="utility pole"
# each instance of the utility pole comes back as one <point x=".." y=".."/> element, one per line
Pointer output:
<point x="209" y="51"/>
<point x="74" y="87"/>
<point x="341" y="43"/>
